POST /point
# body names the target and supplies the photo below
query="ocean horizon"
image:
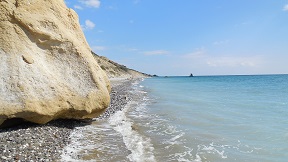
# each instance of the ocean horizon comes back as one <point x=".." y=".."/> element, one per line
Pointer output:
<point x="217" y="75"/>
<point x="203" y="118"/>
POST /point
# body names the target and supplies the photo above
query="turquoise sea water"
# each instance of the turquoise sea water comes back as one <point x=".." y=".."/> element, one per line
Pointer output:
<point x="205" y="118"/>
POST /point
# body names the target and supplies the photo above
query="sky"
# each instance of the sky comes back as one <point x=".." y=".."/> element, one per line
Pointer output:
<point x="203" y="37"/>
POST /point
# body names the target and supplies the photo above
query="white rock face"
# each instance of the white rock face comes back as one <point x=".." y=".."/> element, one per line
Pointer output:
<point x="46" y="67"/>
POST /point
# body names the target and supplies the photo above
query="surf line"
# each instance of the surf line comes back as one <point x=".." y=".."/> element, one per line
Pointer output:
<point x="140" y="146"/>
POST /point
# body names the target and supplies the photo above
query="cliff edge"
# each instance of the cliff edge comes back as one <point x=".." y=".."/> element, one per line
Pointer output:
<point x="115" y="70"/>
<point x="47" y="70"/>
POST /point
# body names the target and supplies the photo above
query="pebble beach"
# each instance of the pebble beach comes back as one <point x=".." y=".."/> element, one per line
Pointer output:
<point x="33" y="142"/>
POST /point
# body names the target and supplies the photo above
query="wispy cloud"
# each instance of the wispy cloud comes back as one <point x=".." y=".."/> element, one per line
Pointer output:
<point x="243" y="24"/>
<point x="233" y="62"/>
<point x="285" y="8"/>
<point x="66" y="2"/>
<point x="202" y="57"/>
<point x="132" y="49"/>
<point x="91" y="3"/>
<point x="99" y="48"/>
<point x="222" y="42"/>
<point x="78" y="7"/>
<point x="155" y="52"/>
<point x="199" y="52"/>
<point x="88" y="25"/>
<point x="112" y="7"/>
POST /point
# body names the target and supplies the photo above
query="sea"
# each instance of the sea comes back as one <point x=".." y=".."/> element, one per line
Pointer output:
<point x="192" y="119"/>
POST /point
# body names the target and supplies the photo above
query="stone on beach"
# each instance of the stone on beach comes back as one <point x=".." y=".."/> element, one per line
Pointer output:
<point x="32" y="142"/>
<point x="47" y="70"/>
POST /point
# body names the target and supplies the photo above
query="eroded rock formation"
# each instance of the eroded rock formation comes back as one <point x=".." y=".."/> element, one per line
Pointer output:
<point x="46" y="67"/>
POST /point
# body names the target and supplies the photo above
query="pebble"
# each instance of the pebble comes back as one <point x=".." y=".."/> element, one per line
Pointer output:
<point x="33" y="142"/>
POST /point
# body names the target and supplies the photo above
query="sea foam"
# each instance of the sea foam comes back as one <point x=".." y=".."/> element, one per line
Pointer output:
<point x="140" y="146"/>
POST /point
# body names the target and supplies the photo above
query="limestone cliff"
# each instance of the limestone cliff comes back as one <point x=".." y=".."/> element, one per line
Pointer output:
<point x="46" y="67"/>
<point x="115" y="70"/>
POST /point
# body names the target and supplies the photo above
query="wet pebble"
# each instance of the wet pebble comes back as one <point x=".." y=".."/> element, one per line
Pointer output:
<point x="32" y="142"/>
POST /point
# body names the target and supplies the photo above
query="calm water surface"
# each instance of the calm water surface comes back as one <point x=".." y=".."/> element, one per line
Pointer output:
<point x="209" y="118"/>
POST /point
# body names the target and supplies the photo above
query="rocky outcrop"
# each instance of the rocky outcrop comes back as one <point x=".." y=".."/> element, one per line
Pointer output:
<point x="115" y="70"/>
<point x="47" y="70"/>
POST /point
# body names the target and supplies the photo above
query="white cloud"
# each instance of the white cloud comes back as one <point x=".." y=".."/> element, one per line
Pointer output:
<point x="243" y="24"/>
<point x="233" y="62"/>
<point x="78" y="7"/>
<point x="199" y="52"/>
<point x="156" y="52"/>
<point x="205" y="62"/>
<point x="132" y="49"/>
<point x="112" y="7"/>
<point x="285" y="8"/>
<point x="91" y="3"/>
<point x="222" y="42"/>
<point x="89" y="25"/>
<point x="98" y="48"/>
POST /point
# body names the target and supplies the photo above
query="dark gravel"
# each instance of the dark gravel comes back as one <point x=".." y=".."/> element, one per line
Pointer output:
<point x="32" y="142"/>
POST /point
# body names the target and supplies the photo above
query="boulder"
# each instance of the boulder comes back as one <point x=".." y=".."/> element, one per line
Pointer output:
<point x="47" y="70"/>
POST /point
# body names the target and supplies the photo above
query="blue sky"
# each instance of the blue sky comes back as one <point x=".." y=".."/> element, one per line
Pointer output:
<point x="203" y="37"/>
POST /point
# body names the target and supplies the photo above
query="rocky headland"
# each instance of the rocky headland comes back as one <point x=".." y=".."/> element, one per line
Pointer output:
<point x="115" y="70"/>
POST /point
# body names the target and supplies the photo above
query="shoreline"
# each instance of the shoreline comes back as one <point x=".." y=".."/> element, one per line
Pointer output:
<point x="33" y="142"/>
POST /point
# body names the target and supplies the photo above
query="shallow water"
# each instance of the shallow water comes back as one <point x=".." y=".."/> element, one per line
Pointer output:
<point x="211" y="118"/>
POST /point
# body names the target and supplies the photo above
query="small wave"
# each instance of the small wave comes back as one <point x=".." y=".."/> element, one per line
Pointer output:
<point x="169" y="139"/>
<point x="140" y="146"/>
<point x="96" y="142"/>
<point x="182" y="157"/>
<point x="171" y="130"/>
<point x="142" y="91"/>
<point x="70" y="151"/>
<point x="211" y="150"/>
<point x="174" y="140"/>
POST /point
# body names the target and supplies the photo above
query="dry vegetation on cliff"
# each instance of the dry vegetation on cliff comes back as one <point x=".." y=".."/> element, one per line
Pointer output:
<point x="115" y="70"/>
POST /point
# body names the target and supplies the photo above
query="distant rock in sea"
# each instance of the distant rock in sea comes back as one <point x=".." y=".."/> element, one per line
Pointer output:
<point x="47" y="69"/>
